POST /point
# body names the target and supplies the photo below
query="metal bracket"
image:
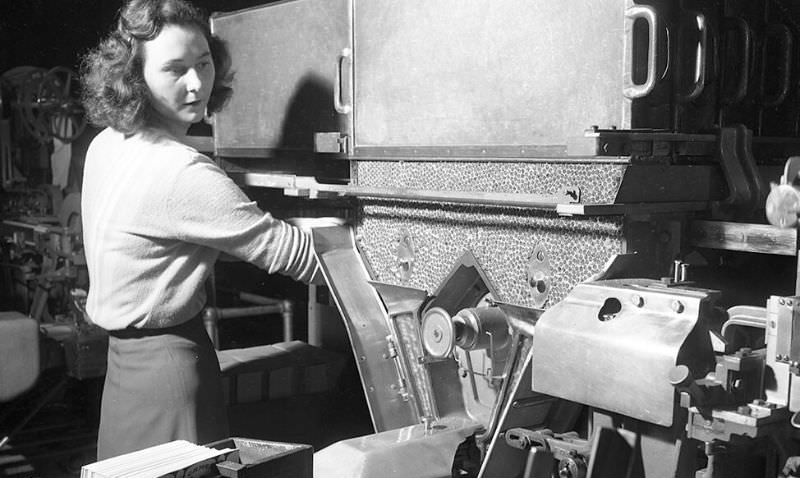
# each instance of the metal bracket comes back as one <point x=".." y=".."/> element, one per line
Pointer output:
<point x="330" y="142"/>
<point x="746" y="192"/>
<point x="406" y="255"/>
<point x="539" y="275"/>
<point x="648" y="143"/>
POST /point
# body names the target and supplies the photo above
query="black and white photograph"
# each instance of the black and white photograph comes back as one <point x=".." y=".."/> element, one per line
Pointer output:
<point x="399" y="238"/>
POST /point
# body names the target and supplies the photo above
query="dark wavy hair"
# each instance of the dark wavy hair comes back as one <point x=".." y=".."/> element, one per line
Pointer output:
<point x="114" y="92"/>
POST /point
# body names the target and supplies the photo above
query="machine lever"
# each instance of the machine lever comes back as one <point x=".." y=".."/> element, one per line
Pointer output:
<point x="691" y="394"/>
<point x="523" y="439"/>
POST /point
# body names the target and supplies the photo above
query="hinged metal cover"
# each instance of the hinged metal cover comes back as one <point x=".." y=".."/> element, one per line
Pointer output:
<point x="621" y="338"/>
<point x="284" y="57"/>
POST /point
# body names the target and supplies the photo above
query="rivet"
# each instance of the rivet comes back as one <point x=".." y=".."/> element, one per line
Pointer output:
<point x="677" y="306"/>
<point x="637" y="300"/>
<point x="781" y="301"/>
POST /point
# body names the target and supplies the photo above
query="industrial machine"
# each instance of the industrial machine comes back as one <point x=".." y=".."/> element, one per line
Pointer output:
<point x="562" y="259"/>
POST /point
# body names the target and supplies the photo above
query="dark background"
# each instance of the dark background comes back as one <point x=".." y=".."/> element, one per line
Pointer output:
<point x="49" y="33"/>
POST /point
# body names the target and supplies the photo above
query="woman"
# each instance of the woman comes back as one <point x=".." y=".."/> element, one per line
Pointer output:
<point x="156" y="216"/>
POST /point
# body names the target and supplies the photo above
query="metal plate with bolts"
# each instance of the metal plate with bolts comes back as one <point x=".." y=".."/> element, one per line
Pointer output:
<point x="539" y="275"/>
<point x="406" y="254"/>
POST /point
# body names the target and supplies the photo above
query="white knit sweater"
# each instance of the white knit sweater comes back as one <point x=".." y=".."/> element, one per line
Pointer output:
<point x="156" y="215"/>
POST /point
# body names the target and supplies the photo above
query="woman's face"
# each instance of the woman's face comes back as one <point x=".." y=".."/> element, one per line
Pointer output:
<point x="179" y="71"/>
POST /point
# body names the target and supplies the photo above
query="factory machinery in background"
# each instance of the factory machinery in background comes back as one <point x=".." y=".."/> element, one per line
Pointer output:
<point x="52" y="359"/>
<point x="559" y="261"/>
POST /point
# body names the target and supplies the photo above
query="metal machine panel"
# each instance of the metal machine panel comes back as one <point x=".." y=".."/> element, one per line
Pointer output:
<point x="367" y="327"/>
<point x="616" y="337"/>
<point x="420" y="451"/>
<point x="417" y="244"/>
<point x="284" y="57"/>
<point x="448" y="72"/>
<point x="502" y="241"/>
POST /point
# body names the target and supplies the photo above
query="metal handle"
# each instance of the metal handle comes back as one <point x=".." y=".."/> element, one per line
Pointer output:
<point x="747" y="41"/>
<point x="630" y="89"/>
<point x="700" y="60"/>
<point x="338" y="103"/>
<point x="784" y="36"/>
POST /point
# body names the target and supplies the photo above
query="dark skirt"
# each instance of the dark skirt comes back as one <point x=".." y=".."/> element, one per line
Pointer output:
<point x="161" y="385"/>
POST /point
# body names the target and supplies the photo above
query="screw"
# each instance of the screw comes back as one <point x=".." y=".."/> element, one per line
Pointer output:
<point x="676" y="273"/>
<point x="437" y="335"/>
<point x="427" y="422"/>
<point x="637" y="300"/>
<point x="677" y="306"/>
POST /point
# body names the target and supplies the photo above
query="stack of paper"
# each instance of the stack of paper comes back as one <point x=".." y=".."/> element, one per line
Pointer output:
<point x="177" y="459"/>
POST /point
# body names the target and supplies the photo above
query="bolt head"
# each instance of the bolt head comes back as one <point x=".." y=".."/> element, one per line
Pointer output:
<point x="677" y="306"/>
<point x="437" y="334"/>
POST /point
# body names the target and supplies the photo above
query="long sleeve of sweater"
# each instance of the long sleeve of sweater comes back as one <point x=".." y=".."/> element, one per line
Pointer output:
<point x="207" y="208"/>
